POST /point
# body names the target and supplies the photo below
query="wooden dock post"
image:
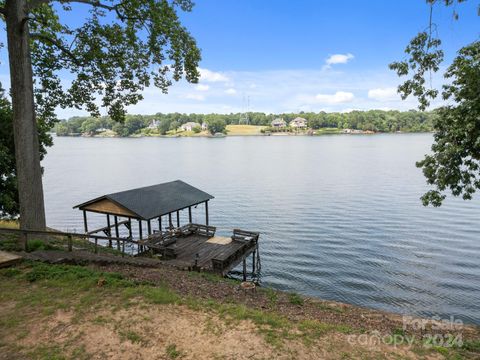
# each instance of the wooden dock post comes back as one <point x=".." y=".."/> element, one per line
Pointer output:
<point x="85" y="224"/>
<point x="129" y="231"/>
<point x="70" y="245"/>
<point x="253" y="261"/>
<point x="96" y="245"/>
<point x="206" y="213"/>
<point x="178" y="219"/>
<point x="190" y="214"/>
<point x="140" y="234"/>
<point x="117" y="235"/>
<point x="109" y="230"/>
<point x="244" y="269"/>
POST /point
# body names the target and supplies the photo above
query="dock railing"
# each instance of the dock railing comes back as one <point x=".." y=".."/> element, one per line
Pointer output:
<point x="26" y="236"/>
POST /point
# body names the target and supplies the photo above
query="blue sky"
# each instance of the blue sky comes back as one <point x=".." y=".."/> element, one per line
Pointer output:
<point x="289" y="56"/>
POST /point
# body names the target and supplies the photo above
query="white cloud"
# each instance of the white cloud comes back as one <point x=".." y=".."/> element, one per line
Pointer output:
<point x="231" y="91"/>
<point x="338" y="59"/>
<point x="383" y="94"/>
<point x="338" y="97"/>
<point x="198" y="97"/>
<point x="212" y="76"/>
<point x="202" y="87"/>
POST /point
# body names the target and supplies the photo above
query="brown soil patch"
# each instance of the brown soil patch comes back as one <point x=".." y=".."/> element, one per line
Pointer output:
<point x="171" y="331"/>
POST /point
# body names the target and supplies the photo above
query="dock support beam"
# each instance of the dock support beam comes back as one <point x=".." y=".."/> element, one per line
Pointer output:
<point x="140" y="234"/>
<point x="244" y="269"/>
<point x="149" y="227"/>
<point x="190" y="214"/>
<point x="206" y="213"/>
<point x="253" y="261"/>
<point x="109" y="231"/>
<point x="160" y="224"/>
<point x="170" y="224"/>
<point x="117" y="235"/>
<point x="85" y="225"/>
<point x="129" y="229"/>
<point x="178" y="219"/>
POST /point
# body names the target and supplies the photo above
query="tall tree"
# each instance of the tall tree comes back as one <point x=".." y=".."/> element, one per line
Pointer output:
<point x="122" y="47"/>
<point x="454" y="164"/>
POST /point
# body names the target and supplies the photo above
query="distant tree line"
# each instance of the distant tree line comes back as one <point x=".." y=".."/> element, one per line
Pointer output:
<point x="374" y="120"/>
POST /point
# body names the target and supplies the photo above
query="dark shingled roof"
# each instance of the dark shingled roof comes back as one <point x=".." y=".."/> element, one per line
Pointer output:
<point x="156" y="200"/>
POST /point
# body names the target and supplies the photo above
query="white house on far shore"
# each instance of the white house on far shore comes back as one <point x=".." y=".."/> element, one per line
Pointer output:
<point x="278" y="123"/>
<point x="189" y="126"/>
<point x="204" y="126"/>
<point x="298" y="123"/>
<point x="153" y="125"/>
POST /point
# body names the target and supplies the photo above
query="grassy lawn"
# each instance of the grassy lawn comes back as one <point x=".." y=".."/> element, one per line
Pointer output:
<point x="244" y="129"/>
<point x="74" y="312"/>
<point x="327" y="131"/>
<point x="10" y="224"/>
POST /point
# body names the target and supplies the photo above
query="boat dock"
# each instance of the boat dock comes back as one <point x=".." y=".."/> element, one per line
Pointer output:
<point x="152" y="217"/>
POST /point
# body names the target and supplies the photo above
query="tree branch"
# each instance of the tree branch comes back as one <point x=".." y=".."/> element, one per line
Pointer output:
<point x="58" y="45"/>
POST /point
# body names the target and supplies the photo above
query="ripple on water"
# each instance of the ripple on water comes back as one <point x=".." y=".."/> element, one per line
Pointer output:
<point x="340" y="217"/>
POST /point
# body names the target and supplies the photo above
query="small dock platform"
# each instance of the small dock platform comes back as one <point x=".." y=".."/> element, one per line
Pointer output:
<point x="196" y="252"/>
<point x="8" y="259"/>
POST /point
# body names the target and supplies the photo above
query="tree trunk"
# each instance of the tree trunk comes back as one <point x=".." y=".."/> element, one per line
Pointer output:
<point x="29" y="172"/>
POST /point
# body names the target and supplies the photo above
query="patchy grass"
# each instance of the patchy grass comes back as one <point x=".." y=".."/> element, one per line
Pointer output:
<point x="172" y="352"/>
<point x="131" y="336"/>
<point x="33" y="293"/>
<point x="244" y="130"/>
<point x="329" y="308"/>
<point x="327" y="131"/>
<point x="295" y="299"/>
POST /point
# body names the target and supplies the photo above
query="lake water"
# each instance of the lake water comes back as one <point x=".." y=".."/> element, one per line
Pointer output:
<point x="340" y="216"/>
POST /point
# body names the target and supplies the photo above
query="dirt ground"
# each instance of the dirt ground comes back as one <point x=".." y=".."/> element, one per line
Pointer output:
<point x="176" y="332"/>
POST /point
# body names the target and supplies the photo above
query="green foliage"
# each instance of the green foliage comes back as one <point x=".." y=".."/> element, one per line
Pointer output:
<point x="425" y="57"/>
<point x="174" y="125"/>
<point x="454" y="165"/>
<point x="36" y="244"/>
<point x="455" y="162"/>
<point x="216" y="125"/>
<point x="9" y="207"/>
<point x="118" y="50"/>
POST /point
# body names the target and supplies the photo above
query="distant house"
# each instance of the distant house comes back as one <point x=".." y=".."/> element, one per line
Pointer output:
<point x="189" y="126"/>
<point x="153" y="125"/>
<point x="204" y="126"/>
<point x="278" y="123"/>
<point x="298" y="123"/>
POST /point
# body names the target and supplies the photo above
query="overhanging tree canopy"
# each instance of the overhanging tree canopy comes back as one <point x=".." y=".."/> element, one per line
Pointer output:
<point x="121" y="47"/>
<point x="454" y="164"/>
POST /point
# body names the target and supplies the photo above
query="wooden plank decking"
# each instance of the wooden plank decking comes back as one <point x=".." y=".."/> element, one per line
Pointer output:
<point x="197" y="248"/>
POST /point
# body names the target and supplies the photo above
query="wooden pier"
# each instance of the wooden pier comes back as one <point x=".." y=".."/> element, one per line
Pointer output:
<point x="187" y="246"/>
